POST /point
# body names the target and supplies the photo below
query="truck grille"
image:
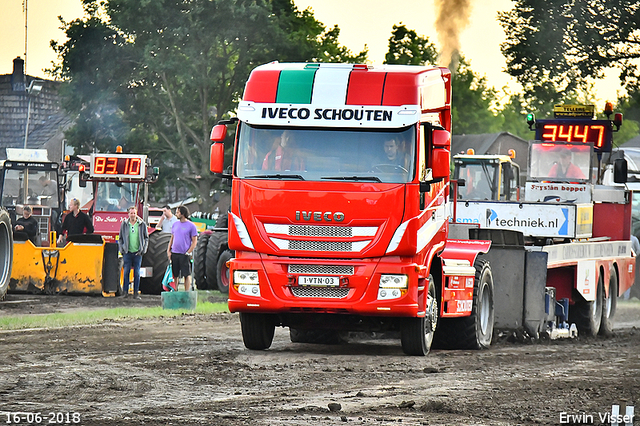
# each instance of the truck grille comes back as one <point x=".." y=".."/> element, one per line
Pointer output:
<point x="321" y="245"/>
<point x="322" y="292"/>
<point x="319" y="231"/>
<point x="321" y="269"/>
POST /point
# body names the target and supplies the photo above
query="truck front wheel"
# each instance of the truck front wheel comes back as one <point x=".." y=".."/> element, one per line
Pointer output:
<point x="588" y="315"/>
<point x="257" y="330"/>
<point x="417" y="333"/>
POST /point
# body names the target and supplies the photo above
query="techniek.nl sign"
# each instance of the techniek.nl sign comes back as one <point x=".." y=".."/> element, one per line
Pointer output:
<point x="530" y="219"/>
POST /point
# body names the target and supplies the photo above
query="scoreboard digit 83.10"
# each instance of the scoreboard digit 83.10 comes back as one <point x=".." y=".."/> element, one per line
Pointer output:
<point x="128" y="166"/>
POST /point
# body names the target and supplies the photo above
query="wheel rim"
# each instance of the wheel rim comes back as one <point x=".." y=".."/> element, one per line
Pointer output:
<point x="485" y="301"/>
<point x="608" y="305"/>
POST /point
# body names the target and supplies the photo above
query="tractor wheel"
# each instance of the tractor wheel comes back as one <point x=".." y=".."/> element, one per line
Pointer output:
<point x="476" y="330"/>
<point x="610" y="305"/>
<point x="214" y="248"/>
<point x="223" y="271"/>
<point x="257" y="330"/>
<point x="199" y="261"/>
<point x="417" y="333"/>
<point x="588" y="315"/>
<point x="6" y="250"/>
<point x="156" y="257"/>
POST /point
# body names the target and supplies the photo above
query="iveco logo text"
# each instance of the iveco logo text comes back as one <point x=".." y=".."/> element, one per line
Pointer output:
<point x="320" y="216"/>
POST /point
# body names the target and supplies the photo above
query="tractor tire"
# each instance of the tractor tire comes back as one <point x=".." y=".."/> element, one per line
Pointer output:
<point x="6" y="249"/>
<point x="588" y="315"/>
<point x="156" y="257"/>
<point x="610" y="305"/>
<point x="223" y="271"/>
<point x="217" y="240"/>
<point x="417" y="333"/>
<point x="257" y="330"/>
<point x="199" y="261"/>
<point x="476" y="330"/>
<point x="223" y="220"/>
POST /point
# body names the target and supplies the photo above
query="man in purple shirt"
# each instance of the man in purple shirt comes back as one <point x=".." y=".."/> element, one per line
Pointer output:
<point x="184" y="237"/>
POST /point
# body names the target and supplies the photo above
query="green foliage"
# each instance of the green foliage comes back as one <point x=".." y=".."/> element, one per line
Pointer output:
<point x="154" y="76"/>
<point x="473" y="103"/>
<point x="554" y="47"/>
<point x="407" y="48"/>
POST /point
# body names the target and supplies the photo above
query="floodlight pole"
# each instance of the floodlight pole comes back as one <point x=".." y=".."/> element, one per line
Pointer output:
<point x="33" y="90"/>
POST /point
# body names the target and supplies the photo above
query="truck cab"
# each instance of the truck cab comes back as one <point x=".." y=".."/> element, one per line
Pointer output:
<point x="339" y="210"/>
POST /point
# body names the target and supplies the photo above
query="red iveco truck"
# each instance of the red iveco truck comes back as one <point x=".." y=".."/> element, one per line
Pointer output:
<point x="339" y="212"/>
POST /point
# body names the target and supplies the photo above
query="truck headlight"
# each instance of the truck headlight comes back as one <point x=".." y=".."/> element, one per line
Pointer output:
<point x="247" y="283"/>
<point x="393" y="281"/>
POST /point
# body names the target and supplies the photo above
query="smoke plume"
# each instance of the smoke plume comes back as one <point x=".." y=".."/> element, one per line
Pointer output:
<point x="453" y="17"/>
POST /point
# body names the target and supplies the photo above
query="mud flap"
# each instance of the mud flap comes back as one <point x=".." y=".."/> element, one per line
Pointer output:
<point x="110" y="268"/>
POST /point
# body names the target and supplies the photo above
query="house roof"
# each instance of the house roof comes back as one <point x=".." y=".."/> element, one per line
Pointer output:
<point x="480" y="143"/>
<point x="46" y="120"/>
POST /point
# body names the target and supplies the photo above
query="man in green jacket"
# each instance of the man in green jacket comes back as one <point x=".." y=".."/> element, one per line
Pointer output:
<point x="133" y="243"/>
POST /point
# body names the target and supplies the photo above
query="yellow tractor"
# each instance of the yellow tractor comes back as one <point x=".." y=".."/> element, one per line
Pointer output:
<point x="86" y="263"/>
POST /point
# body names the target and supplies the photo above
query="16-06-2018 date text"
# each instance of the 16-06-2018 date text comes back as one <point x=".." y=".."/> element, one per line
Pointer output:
<point x="37" y="418"/>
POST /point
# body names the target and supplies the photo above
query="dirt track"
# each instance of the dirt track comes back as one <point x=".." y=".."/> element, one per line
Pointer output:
<point x="194" y="370"/>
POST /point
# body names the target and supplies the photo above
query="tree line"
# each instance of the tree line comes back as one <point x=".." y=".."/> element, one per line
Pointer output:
<point x="154" y="76"/>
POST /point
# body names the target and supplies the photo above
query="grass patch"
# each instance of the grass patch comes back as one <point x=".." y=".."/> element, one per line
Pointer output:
<point x="96" y="316"/>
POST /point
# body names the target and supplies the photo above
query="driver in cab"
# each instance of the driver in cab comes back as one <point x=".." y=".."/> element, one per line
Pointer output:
<point x="394" y="153"/>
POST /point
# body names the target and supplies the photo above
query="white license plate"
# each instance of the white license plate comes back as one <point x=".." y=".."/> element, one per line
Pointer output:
<point x="319" y="281"/>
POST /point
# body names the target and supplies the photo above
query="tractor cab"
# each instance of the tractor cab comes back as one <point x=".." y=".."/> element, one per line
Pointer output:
<point x="486" y="177"/>
<point x="32" y="181"/>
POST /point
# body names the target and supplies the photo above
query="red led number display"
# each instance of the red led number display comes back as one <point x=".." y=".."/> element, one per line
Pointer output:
<point x="117" y="166"/>
<point x="574" y="133"/>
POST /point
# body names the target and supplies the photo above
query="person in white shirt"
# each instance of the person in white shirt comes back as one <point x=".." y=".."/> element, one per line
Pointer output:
<point x="166" y="220"/>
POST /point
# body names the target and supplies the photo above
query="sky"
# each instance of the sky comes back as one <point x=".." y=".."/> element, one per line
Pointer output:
<point x="361" y="22"/>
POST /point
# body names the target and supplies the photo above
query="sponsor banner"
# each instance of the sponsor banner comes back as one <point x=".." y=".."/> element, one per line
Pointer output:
<point x="562" y="253"/>
<point x="311" y="115"/>
<point x="532" y="219"/>
<point x="547" y="192"/>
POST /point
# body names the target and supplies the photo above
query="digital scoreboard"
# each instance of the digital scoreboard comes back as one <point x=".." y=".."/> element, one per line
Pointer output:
<point x="576" y="130"/>
<point x="128" y="166"/>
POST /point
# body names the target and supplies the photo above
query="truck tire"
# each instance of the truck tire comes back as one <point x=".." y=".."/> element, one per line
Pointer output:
<point x="588" y="315"/>
<point x="609" y="306"/>
<point x="200" y="261"/>
<point x="217" y="240"/>
<point x="417" y="333"/>
<point x="257" y="330"/>
<point x="156" y="257"/>
<point x="6" y="249"/>
<point x="476" y="330"/>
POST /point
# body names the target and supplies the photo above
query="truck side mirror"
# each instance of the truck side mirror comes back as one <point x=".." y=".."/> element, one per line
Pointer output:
<point x="218" y="133"/>
<point x="216" y="160"/>
<point x="441" y="154"/>
<point x="620" y="171"/>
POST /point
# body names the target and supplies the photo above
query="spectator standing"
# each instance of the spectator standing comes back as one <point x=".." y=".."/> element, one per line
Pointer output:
<point x="75" y="222"/>
<point x="27" y="224"/>
<point x="133" y="243"/>
<point x="184" y="237"/>
<point x="166" y="220"/>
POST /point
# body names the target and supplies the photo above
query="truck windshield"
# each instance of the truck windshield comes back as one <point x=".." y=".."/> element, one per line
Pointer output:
<point x="560" y="162"/>
<point x="326" y="154"/>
